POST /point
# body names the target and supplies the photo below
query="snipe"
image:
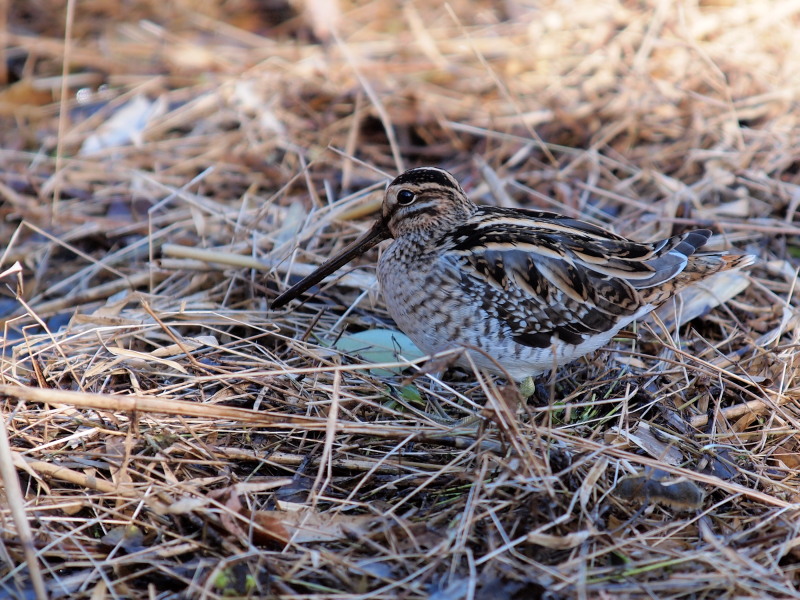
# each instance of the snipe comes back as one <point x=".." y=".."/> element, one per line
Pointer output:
<point x="533" y="290"/>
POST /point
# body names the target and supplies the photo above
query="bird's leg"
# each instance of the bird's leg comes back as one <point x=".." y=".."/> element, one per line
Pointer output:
<point x="438" y="363"/>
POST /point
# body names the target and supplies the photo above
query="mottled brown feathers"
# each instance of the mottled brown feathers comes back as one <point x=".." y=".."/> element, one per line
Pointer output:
<point x="530" y="289"/>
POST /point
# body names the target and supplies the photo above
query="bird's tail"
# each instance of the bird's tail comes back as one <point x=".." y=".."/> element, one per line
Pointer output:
<point x="698" y="267"/>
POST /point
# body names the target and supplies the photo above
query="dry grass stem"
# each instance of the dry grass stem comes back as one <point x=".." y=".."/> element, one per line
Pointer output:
<point x="167" y="168"/>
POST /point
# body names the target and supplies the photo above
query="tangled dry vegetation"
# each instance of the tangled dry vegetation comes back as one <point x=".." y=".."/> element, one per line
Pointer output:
<point x="172" y="437"/>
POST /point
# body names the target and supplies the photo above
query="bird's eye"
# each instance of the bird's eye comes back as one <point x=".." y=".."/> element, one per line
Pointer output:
<point x="405" y="197"/>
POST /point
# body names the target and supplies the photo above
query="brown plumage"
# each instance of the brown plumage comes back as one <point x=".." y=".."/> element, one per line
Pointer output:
<point x="533" y="290"/>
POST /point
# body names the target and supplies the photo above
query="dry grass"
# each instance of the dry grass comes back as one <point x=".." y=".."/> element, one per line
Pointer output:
<point x="173" y="437"/>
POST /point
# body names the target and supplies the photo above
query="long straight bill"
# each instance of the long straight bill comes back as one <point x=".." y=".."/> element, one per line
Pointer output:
<point x="374" y="236"/>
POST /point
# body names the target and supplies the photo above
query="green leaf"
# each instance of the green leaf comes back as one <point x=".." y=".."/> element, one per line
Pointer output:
<point x="379" y="346"/>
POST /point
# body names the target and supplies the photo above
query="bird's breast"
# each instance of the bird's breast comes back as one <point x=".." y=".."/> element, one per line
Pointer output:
<point x="421" y="290"/>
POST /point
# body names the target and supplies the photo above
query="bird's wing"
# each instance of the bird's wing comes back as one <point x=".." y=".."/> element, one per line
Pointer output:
<point x="545" y="275"/>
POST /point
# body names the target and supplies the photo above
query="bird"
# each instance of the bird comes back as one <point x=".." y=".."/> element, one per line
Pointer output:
<point x="522" y="291"/>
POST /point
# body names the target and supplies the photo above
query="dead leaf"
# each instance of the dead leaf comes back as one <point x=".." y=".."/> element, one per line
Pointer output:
<point x="559" y="542"/>
<point x="661" y="487"/>
<point x="18" y="97"/>
<point x="308" y="525"/>
<point x="645" y="439"/>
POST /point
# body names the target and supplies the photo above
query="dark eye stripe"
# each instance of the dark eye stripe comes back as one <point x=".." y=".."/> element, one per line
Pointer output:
<point x="428" y="206"/>
<point x="431" y="210"/>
